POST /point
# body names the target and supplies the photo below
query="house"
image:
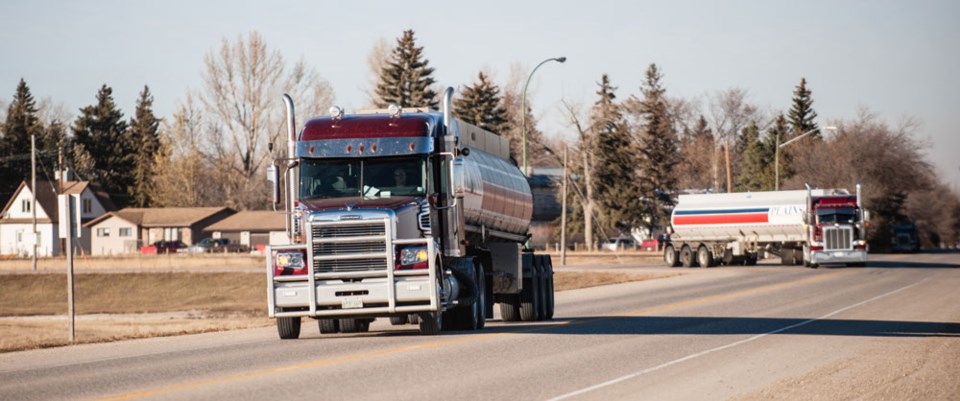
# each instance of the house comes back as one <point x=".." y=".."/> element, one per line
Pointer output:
<point x="252" y="228"/>
<point x="16" y="219"/>
<point x="126" y="230"/>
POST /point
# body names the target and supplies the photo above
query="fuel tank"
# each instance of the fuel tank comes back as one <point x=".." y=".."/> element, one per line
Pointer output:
<point x="496" y="196"/>
<point x="762" y="216"/>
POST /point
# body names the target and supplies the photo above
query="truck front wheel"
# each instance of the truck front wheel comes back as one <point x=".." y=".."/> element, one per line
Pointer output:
<point x="288" y="327"/>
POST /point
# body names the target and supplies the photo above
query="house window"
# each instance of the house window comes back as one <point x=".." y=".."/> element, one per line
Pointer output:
<point x="25" y="205"/>
<point x="125" y="231"/>
<point x="103" y="232"/>
<point x="87" y="206"/>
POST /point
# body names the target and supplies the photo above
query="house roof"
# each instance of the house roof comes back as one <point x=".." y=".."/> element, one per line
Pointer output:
<point x="251" y="220"/>
<point x="46" y="194"/>
<point x="163" y="217"/>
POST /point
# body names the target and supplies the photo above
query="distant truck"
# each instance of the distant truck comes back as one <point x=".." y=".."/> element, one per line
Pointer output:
<point x="809" y="227"/>
<point x="410" y="215"/>
<point x="905" y="238"/>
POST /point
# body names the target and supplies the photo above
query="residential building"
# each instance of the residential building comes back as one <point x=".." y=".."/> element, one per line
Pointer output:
<point x="254" y="228"/>
<point x="126" y="230"/>
<point x="16" y="219"/>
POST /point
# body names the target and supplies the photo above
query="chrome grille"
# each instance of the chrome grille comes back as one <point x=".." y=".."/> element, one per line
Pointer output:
<point x="345" y="248"/>
<point x="340" y="231"/>
<point x="350" y="265"/>
<point x="838" y="238"/>
<point x="354" y="246"/>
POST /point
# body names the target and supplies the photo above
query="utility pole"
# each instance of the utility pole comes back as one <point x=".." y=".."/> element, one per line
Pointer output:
<point x="563" y="213"/>
<point x="60" y="180"/>
<point x="33" y="188"/>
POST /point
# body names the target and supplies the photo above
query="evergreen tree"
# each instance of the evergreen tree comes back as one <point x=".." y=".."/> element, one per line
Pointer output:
<point x="482" y="105"/>
<point x="801" y="114"/>
<point x="756" y="173"/>
<point x="21" y="122"/>
<point x="614" y="180"/>
<point x="101" y="131"/>
<point x="145" y="138"/>
<point x="658" y="151"/>
<point x="405" y="80"/>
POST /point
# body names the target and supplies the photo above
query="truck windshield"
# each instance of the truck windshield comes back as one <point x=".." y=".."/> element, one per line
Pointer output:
<point x="839" y="216"/>
<point x="371" y="177"/>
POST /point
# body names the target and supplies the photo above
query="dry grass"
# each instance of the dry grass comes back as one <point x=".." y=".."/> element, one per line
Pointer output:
<point x="117" y="306"/>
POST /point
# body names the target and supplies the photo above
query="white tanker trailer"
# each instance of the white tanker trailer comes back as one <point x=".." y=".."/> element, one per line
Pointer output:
<point x="810" y="226"/>
<point x="414" y="216"/>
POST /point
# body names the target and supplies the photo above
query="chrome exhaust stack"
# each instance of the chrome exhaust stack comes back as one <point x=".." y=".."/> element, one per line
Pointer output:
<point x="292" y="174"/>
<point x="447" y="107"/>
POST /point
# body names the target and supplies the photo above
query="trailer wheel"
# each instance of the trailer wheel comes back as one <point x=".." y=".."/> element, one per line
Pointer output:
<point x="551" y="304"/>
<point x="704" y="256"/>
<point x="349" y="326"/>
<point x="288" y="327"/>
<point x="530" y="295"/>
<point x="328" y="326"/>
<point x="542" y="283"/>
<point x="399" y="320"/>
<point x="686" y="257"/>
<point x="671" y="256"/>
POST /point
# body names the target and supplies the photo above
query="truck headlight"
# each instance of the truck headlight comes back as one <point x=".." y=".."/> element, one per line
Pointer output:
<point x="414" y="257"/>
<point x="289" y="263"/>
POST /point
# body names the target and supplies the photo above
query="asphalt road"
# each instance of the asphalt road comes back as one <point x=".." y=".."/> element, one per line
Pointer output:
<point x="887" y="331"/>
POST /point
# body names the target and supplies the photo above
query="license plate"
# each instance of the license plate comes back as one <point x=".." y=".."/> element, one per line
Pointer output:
<point x="839" y="254"/>
<point x="351" y="303"/>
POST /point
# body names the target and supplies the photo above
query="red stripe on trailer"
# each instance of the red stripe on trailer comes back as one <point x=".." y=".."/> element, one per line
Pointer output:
<point x="738" y="218"/>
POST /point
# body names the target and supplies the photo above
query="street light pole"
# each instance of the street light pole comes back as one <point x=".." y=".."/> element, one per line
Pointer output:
<point x="523" y="108"/>
<point x="776" y="157"/>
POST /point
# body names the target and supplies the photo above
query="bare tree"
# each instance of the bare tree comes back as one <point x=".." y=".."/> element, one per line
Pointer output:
<point x="243" y="81"/>
<point x="376" y="60"/>
<point x="730" y="113"/>
<point x="890" y="162"/>
<point x="184" y="174"/>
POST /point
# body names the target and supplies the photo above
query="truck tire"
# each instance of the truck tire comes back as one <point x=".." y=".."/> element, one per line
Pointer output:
<point x="481" y="305"/>
<point x="432" y="322"/>
<point x="471" y="317"/>
<point x="350" y="325"/>
<point x="530" y="296"/>
<point x="399" y="320"/>
<point x="797" y="257"/>
<point x="671" y="257"/>
<point x="542" y="282"/>
<point x="704" y="256"/>
<point x="288" y="327"/>
<point x="686" y="257"/>
<point x="549" y="289"/>
<point x="510" y="307"/>
<point x="787" y="256"/>
<point x="328" y="326"/>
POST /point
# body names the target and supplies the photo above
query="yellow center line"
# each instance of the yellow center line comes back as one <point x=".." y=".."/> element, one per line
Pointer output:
<point x="369" y="355"/>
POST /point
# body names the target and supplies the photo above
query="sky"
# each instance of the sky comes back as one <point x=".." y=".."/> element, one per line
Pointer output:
<point x="898" y="59"/>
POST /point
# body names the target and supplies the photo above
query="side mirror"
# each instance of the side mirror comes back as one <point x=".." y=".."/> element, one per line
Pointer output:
<point x="273" y="175"/>
<point x="866" y="216"/>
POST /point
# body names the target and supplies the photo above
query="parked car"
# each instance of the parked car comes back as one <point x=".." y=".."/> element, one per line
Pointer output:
<point x="165" y="247"/>
<point x="213" y="245"/>
<point x="618" y="244"/>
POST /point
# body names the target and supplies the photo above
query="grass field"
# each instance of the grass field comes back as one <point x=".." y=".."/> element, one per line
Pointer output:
<point x="114" y="306"/>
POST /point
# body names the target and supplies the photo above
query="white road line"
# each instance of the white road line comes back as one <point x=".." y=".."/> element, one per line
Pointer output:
<point x="723" y="347"/>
